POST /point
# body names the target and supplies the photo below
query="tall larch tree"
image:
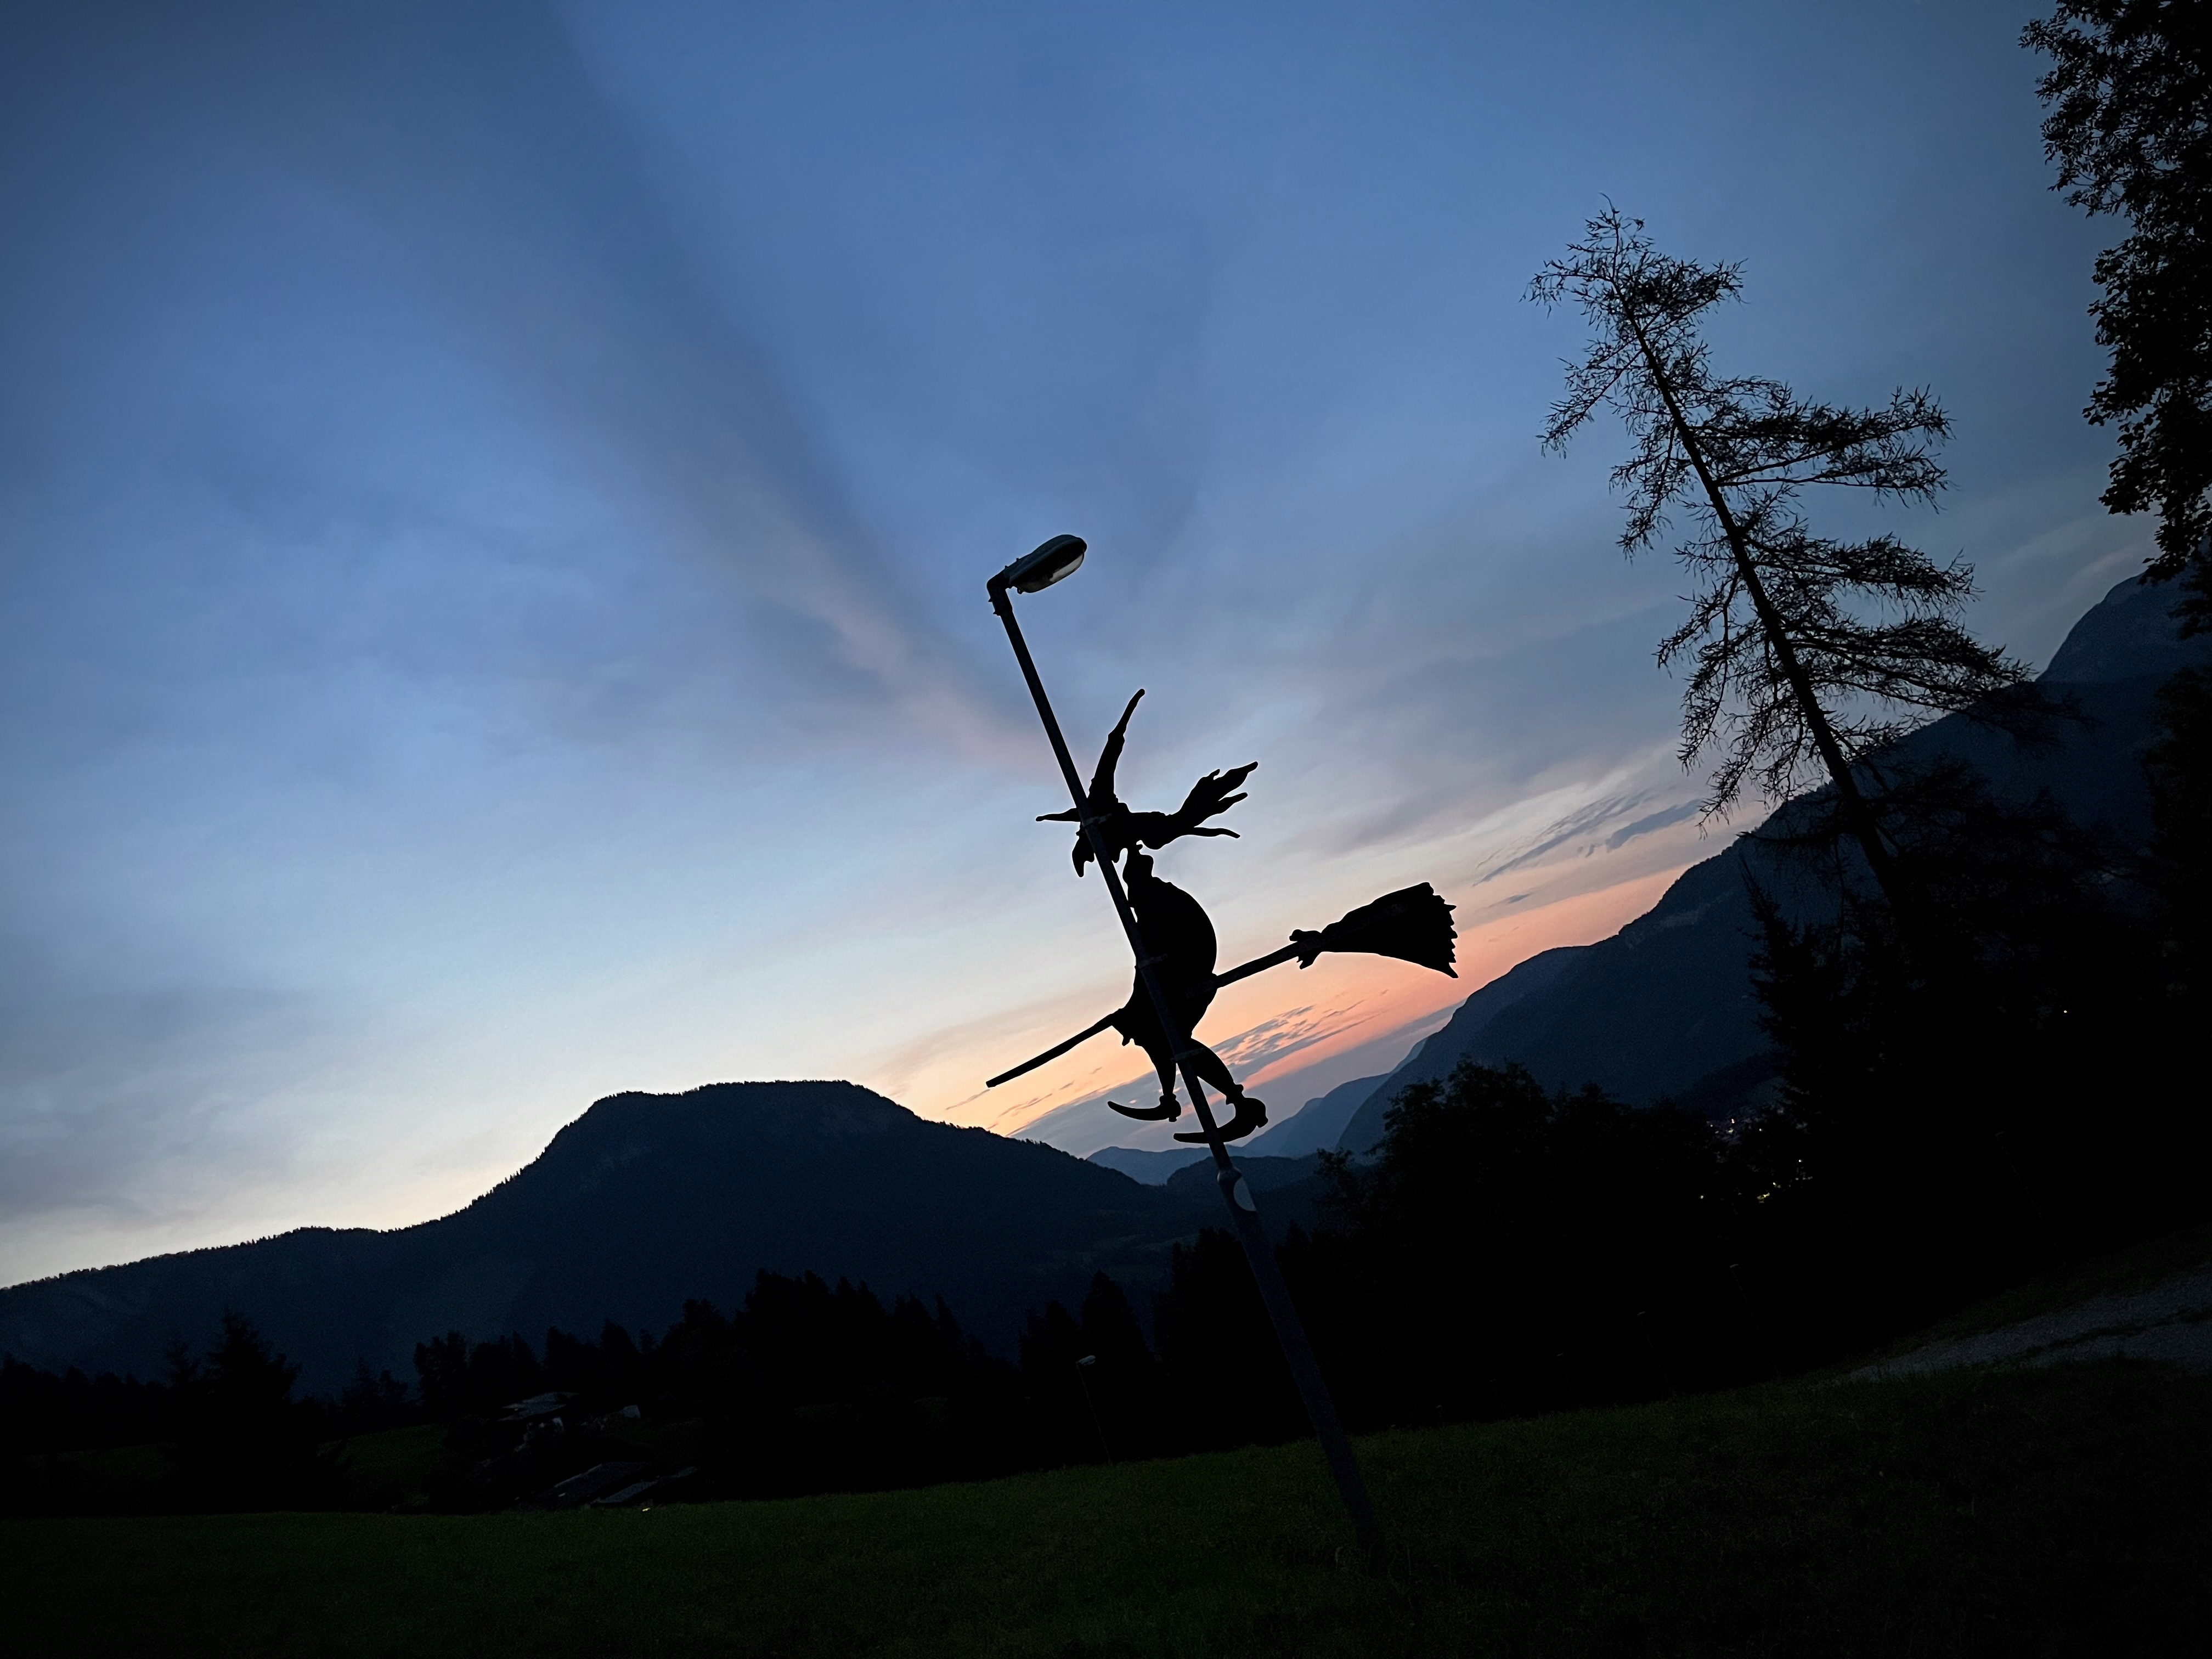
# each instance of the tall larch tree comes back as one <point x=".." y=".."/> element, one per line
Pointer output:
<point x="1805" y="654"/>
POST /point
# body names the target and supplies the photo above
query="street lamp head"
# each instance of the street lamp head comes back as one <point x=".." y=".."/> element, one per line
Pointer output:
<point x="1058" y="559"/>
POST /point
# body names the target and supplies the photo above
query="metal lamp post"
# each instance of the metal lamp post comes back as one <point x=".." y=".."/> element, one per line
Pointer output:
<point x="1054" y="562"/>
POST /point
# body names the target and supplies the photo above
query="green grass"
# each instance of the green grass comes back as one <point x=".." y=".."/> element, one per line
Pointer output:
<point x="2057" y="1511"/>
<point x="110" y="1478"/>
<point x="385" y="1470"/>
<point x="389" y="1468"/>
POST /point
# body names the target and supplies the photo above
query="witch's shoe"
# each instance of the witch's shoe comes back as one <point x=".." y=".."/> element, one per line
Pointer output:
<point x="1170" y="1110"/>
<point x="1251" y="1114"/>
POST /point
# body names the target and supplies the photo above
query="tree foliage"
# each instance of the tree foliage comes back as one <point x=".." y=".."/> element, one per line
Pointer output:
<point x="1515" y="1248"/>
<point x="2130" y="95"/>
<point x="240" y="1441"/>
<point x="2180" y="765"/>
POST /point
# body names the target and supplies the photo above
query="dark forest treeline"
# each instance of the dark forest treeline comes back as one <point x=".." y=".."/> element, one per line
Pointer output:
<point x="809" y="1387"/>
<point x="231" y="1434"/>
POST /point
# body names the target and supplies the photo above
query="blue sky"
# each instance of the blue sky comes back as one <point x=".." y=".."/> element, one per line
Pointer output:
<point x="496" y="499"/>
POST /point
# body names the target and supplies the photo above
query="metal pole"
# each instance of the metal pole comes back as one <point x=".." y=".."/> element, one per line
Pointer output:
<point x="1235" y="1191"/>
<point x="1083" y="1375"/>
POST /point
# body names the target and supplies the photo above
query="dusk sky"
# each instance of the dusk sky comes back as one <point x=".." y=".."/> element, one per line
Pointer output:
<point x="496" y="500"/>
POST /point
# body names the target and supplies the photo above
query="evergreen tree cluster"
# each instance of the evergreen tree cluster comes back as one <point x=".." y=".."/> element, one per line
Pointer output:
<point x="231" y="1435"/>
<point x="809" y="1387"/>
<point x="239" y="1440"/>
<point x="1515" y="1249"/>
<point x="45" y="1412"/>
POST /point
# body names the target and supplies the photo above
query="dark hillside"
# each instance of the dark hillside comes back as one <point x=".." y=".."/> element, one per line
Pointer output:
<point x="642" y="1202"/>
<point x="1439" y="1053"/>
<point x="1318" y="1125"/>
<point x="1665" y="1006"/>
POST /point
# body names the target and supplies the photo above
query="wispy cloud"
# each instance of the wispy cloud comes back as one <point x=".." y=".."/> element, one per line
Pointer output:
<point x="1647" y="825"/>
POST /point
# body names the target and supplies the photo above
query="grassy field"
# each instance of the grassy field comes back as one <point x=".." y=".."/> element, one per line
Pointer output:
<point x="2052" y="1512"/>
<point x="385" y="1470"/>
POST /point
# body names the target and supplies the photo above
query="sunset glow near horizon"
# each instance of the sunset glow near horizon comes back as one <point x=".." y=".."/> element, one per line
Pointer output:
<point x="1347" y="1016"/>
<point x="497" y="503"/>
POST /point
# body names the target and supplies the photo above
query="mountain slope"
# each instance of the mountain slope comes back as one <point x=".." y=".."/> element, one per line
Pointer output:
<point x="1436" y="1056"/>
<point x="1319" y="1124"/>
<point x="1151" y="1168"/>
<point x="1665" y="1006"/>
<point x="640" y="1203"/>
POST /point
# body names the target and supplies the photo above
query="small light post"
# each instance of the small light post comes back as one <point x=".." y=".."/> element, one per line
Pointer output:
<point x="1083" y="1375"/>
<point x="1054" y="562"/>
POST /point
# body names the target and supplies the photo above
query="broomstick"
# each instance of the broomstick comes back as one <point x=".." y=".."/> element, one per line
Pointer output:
<point x="1413" y="925"/>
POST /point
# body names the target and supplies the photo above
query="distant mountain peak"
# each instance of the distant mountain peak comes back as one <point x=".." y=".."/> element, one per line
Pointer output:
<point x="809" y="1108"/>
<point x="2128" y="635"/>
<point x="644" y="1201"/>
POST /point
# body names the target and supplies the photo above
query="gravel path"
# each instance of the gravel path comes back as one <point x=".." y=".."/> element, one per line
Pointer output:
<point x="2171" y="1320"/>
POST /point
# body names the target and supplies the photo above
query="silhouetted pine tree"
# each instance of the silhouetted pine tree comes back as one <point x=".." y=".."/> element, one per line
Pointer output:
<point x="1515" y="1248"/>
<point x="1806" y="655"/>
<point x="1954" y="1132"/>
<point x="1127" y="1383"/>
<point x="374" y="1401"/>
<point x="1052" y="1344"/>
<point x="1225" y="1372"/>
<point x="242" y="1441"/>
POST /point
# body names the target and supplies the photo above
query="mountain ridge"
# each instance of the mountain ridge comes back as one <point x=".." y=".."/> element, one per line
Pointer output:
<point x="640" y="1203"/>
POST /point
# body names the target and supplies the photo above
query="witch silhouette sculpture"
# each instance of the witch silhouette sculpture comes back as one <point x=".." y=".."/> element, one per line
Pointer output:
<point x="1413" y="925"/>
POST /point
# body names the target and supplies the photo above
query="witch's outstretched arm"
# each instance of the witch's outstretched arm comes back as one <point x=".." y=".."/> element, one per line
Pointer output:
<point x="1102" y="780"/>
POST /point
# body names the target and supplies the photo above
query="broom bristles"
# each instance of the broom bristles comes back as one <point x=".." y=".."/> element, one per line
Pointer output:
<point x="1413" y="925"/>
